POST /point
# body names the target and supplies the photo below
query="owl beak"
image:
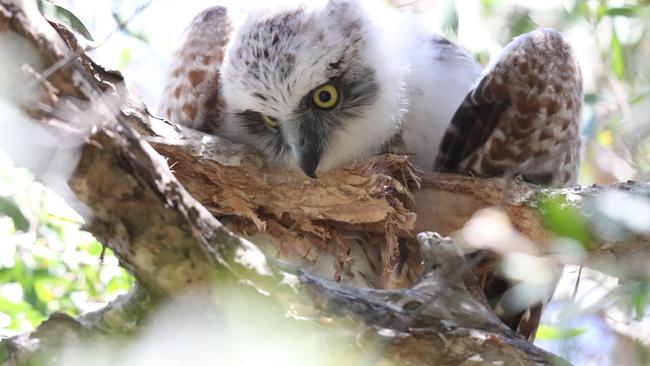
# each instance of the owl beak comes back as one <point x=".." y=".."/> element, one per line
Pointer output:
<point x="308" y="160"/>
<point x="306" y="145"/>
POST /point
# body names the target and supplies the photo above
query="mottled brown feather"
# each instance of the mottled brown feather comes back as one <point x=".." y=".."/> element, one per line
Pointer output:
<point x="521" y="119"/>
<point x="523" y="116"/>
<point x="192" y="96"/>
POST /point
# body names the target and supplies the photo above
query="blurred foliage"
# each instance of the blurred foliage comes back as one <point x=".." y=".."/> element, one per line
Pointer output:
<point x="638" y="298"/>
<point x="565" y="220"/>
<point x="550" y="333"/>
<point x="9" y="208"/>
<point x="47" y="263"/>
<point x="63" y="15"/>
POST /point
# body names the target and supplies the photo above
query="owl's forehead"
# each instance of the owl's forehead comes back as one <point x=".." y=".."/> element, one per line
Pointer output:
<point x="275" y="59"/>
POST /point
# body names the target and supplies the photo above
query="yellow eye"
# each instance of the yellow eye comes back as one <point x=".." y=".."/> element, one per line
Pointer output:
<point x="269" y="121"/>
<point x="326" y="96"/>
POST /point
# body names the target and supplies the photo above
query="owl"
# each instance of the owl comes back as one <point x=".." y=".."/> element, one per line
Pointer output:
<point x="318" y="85"/>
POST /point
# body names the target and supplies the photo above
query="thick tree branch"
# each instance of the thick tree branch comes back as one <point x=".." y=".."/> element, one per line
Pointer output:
<point x="440" y="202"/>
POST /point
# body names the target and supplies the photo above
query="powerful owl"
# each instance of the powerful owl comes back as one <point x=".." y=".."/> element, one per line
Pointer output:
<point x="325" y="83"/>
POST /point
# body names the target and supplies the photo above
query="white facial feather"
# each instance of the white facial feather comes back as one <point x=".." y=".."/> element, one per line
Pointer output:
<point x="396" y="78"/>
<point x="391" y="45"/>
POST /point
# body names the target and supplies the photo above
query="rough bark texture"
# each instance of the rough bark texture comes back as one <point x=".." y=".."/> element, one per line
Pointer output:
<point x="166" y="228"/>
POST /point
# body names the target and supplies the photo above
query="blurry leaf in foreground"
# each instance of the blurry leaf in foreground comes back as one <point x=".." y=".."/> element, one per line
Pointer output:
<point x="592" y="98"/>
<point x="482" y="57"/>
<point x="490" y="228"/>
<point x="9" y="208"/>
<point x="489" y="4"/>
<point x="63" y="15"/>
<point x="551" y="333"/>
<point x="520" y="22"/>
<point x="617" y="56"/>
<point x="530" y="269"/>
<point x="3" y="351"/>
<point x="642" y="352"/>
<point x="125" y="59"/>
<point x="625" y="11"/>
<point x="639" y="298"/>
<point x="451" y="20"/>
<point x="565" y="220"/>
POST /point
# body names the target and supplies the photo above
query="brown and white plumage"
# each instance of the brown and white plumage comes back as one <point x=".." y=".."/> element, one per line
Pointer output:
<point x="398" y="84"/>
<point x="232" y="71"/>
<point x="522" y="118"/>
<point x="192" y="96"/>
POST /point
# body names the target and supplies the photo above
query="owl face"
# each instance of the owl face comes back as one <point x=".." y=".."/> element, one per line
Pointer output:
<point x="300" y="84"/>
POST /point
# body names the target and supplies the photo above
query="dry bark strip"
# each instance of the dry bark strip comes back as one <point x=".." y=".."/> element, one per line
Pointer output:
<point x="386" y="198"/>
<point x="162" y="226"/>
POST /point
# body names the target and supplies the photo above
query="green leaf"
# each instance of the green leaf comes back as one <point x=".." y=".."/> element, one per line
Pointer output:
<point x="581" y="10"/>
<point x="639" y="298"/>
<point x="601" y="11"/>
<point x="3" y="351"/>
<point x="6" y="275"/>
<point x="642" y="352"/>
<point x="639" y="97"/>
<point x="65" y="16"/>
<point x="451" y="21"/>
<point x="624" y="11"/>
<point x="551" y="333"/>
<point x="93" y="248"/>
<point x="593" y="98"/>
<point x="520" y="22"/>
<point x="91" y="277"/>
<point x="19" y="310"/>
<point x="9" y="208"/>
<point x="7" y="306"/>
<point x="119" y="283"/>
<point x="125" y="59"/>
<point x="565" y="220"/>
<point x="489" y="5"/>
<point x="617" y="56"/>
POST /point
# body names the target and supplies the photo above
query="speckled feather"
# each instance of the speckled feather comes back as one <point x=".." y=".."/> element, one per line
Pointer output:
<point x="523" y="116"/>
<point x="388" y="70"/>
<point x="401" y="88"/>
<point x="192" y="96"/>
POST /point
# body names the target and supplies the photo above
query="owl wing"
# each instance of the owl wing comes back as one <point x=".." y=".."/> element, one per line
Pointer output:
<point x="522" y="118"/>
<point x="192" y="95"/>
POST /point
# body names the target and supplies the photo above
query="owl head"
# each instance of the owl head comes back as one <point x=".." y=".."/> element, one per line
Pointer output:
<point x="314" y="85"/>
